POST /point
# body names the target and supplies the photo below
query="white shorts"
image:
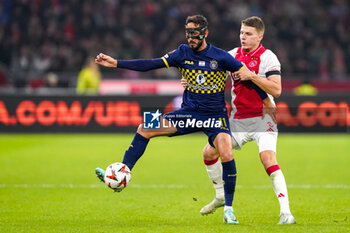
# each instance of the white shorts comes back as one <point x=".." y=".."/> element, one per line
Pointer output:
<point x="263" y="131"/>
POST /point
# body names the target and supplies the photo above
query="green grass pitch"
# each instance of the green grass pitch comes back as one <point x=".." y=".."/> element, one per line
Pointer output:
<point x="47" y="184"/>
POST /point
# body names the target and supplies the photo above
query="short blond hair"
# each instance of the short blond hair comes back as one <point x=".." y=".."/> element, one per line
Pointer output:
<point x="255" y="22"/>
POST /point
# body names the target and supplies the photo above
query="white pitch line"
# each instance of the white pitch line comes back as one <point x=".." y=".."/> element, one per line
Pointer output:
<point x="169" y="186"/>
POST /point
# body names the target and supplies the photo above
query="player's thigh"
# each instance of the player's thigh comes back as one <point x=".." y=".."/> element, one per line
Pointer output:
<point x="265" y="134"/>
<point x="268" y="158"/>
<point x="215" y="124"/>
<point x="266" y="141"/>
<point x="240" y="131"/>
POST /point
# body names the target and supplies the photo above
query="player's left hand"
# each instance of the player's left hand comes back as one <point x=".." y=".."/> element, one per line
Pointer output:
<point x="272" y="111"/>
<point x="184" y="82"/>
<point x="244" y="74"/>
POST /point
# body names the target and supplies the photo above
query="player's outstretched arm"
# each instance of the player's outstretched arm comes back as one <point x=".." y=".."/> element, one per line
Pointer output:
<point x="105" y="60"/>
<point x="137" y="64"/>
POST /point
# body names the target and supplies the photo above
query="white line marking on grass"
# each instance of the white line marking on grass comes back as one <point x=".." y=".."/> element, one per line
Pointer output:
<point x="300" y="186"/>
<point x="91" y="186"/>
<point x="169" y="186"/>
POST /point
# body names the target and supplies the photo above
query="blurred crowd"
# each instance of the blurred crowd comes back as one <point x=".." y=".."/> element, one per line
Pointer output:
<point x="41" y="37"/>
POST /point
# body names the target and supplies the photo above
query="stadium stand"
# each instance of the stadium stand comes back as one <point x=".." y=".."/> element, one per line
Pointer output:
<point x="39" y="36"/>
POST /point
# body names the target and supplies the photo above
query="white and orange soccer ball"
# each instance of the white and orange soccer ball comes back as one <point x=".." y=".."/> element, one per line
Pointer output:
<point x="117" y="176"/>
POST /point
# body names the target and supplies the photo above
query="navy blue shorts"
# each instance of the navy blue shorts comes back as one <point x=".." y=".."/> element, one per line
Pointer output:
<point x="187" y="121"/>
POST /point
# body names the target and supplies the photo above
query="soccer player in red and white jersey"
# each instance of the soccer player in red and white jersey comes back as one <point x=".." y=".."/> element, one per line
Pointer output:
<point x="248" y="121"/>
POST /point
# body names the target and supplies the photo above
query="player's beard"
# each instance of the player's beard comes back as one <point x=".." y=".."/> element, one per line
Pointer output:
<point x="199" y="44"/>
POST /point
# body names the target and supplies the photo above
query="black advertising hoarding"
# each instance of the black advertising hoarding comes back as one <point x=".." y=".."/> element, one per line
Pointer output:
<point x="75" y="113"/>
<point x="46" y="114"/>
<point x="312" y="114"/>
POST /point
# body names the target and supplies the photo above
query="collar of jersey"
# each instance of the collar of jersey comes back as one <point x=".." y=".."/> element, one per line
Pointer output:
<point x="200" y="52"/>
<point x="253" y="52"/>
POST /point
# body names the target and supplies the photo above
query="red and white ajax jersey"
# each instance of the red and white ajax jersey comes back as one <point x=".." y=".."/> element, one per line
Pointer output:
<point x="246" y="102"/>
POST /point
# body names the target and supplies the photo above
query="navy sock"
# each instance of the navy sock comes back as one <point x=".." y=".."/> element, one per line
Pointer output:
<point x="135" y="151"/>
<point x="229" y="176"/>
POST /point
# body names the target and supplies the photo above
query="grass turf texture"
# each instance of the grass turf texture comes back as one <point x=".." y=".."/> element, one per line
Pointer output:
<point x="47" y="184"/>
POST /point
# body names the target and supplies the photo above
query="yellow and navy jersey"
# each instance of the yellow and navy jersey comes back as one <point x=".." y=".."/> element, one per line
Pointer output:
<point x="205" y="72"/>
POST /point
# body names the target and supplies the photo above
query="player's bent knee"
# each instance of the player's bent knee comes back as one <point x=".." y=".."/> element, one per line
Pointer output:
<point x="226" y="156"/>
<point x="210" y="153"/>
<point x="268" y="158"/>
<point x="144" y="133"/>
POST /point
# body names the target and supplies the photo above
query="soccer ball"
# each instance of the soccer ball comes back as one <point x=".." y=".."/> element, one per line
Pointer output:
<point x="117" y="176"/>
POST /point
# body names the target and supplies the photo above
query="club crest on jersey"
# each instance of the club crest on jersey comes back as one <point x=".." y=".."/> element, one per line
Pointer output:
<point x="200" y="79"/>
<point x="213" y="64"/>
<point x="253" y="63"/>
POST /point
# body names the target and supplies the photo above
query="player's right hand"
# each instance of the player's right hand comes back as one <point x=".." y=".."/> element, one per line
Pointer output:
<point x="105" y="60"/>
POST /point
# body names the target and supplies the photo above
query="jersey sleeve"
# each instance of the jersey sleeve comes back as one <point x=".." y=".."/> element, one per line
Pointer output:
<point x="230" y="63"/>
<point x="233" y="52"/>
<point x="141" y="64"/>
<point x="272" y="66"/>
<point x="173" y="58"/>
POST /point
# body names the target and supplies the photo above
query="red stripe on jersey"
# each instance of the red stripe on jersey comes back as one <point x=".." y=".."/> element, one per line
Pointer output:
<point x="272" y="169"/>
<point x="247" y="101"/>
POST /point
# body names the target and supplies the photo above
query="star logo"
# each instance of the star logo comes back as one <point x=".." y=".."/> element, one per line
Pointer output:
<point x="156" y="115"/>
<point x="151" y="120"/>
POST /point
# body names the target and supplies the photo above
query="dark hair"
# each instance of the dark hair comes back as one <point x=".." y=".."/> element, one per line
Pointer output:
<point x="255" y="22"/>
<point x="197" y="19"/>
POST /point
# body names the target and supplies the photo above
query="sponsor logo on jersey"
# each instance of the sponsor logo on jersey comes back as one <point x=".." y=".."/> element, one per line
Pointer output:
<point x="200" y="79"/>
<point x="201" y="63"/>
<point x="189" y="62"/>
<point x="211" y="87"/>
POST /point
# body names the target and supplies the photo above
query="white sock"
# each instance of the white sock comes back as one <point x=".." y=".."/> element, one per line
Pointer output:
<point x="280" y="188"/>
<point x="215" y="174"/>
<point x="227" y="207"/>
